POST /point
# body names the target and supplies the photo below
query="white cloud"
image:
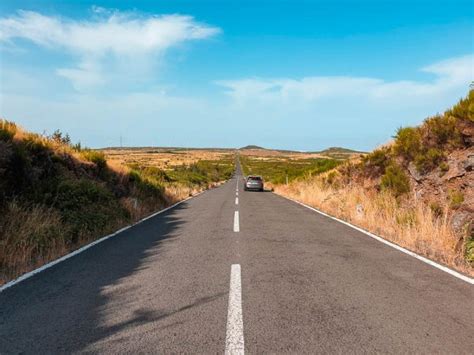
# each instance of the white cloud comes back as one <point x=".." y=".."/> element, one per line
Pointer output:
<point x="449" y="75"/>
<point x="109" y="34"/>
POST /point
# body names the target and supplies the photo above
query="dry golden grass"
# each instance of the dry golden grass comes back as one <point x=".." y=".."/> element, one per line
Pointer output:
<point x="162" y="158"/>
<point x="21" y="225"/>
<point x="413" y="226"/>
<point x="269" y="154"/>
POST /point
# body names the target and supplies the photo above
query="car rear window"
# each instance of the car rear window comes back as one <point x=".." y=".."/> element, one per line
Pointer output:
<point x="255" y="178"/>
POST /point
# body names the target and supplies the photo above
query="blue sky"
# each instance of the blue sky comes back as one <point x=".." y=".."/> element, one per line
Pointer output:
<point x="284" y="74"/>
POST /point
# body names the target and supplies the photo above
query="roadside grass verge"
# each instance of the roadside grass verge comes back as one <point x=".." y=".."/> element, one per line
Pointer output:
<point x="416" y="226"/>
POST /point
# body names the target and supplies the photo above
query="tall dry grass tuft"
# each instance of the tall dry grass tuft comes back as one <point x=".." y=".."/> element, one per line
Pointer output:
<point x="29" y="237"/>
<point x="410" y="224"/>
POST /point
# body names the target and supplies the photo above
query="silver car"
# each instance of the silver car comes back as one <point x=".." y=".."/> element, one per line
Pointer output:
<point x="253" y="182"/>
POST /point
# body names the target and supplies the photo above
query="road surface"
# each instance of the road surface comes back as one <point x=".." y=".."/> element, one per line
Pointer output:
<point x="234" y="271"/>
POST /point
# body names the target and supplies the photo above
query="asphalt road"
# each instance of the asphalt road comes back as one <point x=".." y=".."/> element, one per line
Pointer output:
<point x="301" y="283"/>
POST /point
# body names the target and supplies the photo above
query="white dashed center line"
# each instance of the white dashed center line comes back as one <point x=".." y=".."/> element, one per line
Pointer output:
<point x="236" y="200"/>
<point x="236" y="221"/>
<point x="234" y="340"/>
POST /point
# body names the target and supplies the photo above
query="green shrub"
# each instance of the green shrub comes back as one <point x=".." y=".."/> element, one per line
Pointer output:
<point x="87" y="208"/>
<point x="428" y="160"/>
<point x="276" y="171"/>
<point x="379" y="158"/>
<point x="59" y="138"/>
<point x="456" y="198"/>
<point x="407" y="142"/>
<point x="395" y="180"/>
<point x="441" y="130"/>
<point x="96" y="157"/>
<point x="464" y="109"/>
<point x="469" y="253"/>
<point x="77" y="147"/>
<point x="443" y="167"/>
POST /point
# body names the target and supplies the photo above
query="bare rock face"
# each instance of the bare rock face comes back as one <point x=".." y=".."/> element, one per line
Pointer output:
<point x="466" y="128"/>
<point x="462" y="221"/>
<point x="469" y="163"/>
<point x="456" y="169"/>
<point x="415" y="174"/>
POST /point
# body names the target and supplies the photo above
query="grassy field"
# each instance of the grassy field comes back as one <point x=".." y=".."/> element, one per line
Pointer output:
<point x="175" y="166"/>
<point x="163" y="158"/>
<point x="278" y="169"/>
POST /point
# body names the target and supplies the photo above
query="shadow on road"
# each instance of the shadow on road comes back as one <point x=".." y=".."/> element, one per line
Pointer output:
<point x="60" y="309"/>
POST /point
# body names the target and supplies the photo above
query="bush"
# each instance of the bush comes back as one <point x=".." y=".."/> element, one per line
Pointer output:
<point x="444" y="167"/>
<point x="456" y="198"/>
<point x="464" y="109"/>
<point x="469" y="253"/>
<point x="429" y="160"/>
<point x="395" y="180"/>
<point x="59" y="138"/>
<point x="96" y="157"/>
<point x="87" y="208"/>
<point x="441" y="130"/>
<point x="378" y="158"/>
<point x="408" y="142"/>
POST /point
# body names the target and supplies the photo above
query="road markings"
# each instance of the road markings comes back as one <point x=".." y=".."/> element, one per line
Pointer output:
<point x="236" y="193"/>
<point x="393" y="245"/>
<point x="236" y="200"/>
<point x="234" y="340"/>
<point x="236" y="221"/>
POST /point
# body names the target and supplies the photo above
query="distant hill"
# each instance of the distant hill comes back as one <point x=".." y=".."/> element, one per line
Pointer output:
<point x="339" y="150"/>
<point x="251" y="147"/>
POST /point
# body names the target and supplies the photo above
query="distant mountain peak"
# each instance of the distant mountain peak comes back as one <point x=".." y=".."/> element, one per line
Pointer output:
<point x="251" y="146"/>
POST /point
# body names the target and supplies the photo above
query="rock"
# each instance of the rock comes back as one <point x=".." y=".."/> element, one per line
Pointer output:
<point x="469" y="163"/>
<point x="461" y="220"/>
<point x="456" y="169"/>
<point x="414" y="172"/>
<point x="418" y="194"/>
<point x="359" y="210"/>
<point x="466" y="128"/>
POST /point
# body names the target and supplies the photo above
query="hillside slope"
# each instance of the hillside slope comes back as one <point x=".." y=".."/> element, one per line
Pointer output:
<point x="417" y="191"/>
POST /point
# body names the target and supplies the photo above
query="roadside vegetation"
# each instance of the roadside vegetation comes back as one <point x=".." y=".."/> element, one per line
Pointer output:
<point x="417" y="191"/>
<point x="278" y="171"/>
<point x="56" y="196"/>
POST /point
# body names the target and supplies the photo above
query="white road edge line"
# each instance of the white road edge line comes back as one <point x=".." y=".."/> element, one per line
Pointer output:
<point x="236" y="221"/>
<point x="236" y="200"/>
<point x="234" y="339"/>
<point x="460" y="276"/>
<point x="87" y="246"/>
